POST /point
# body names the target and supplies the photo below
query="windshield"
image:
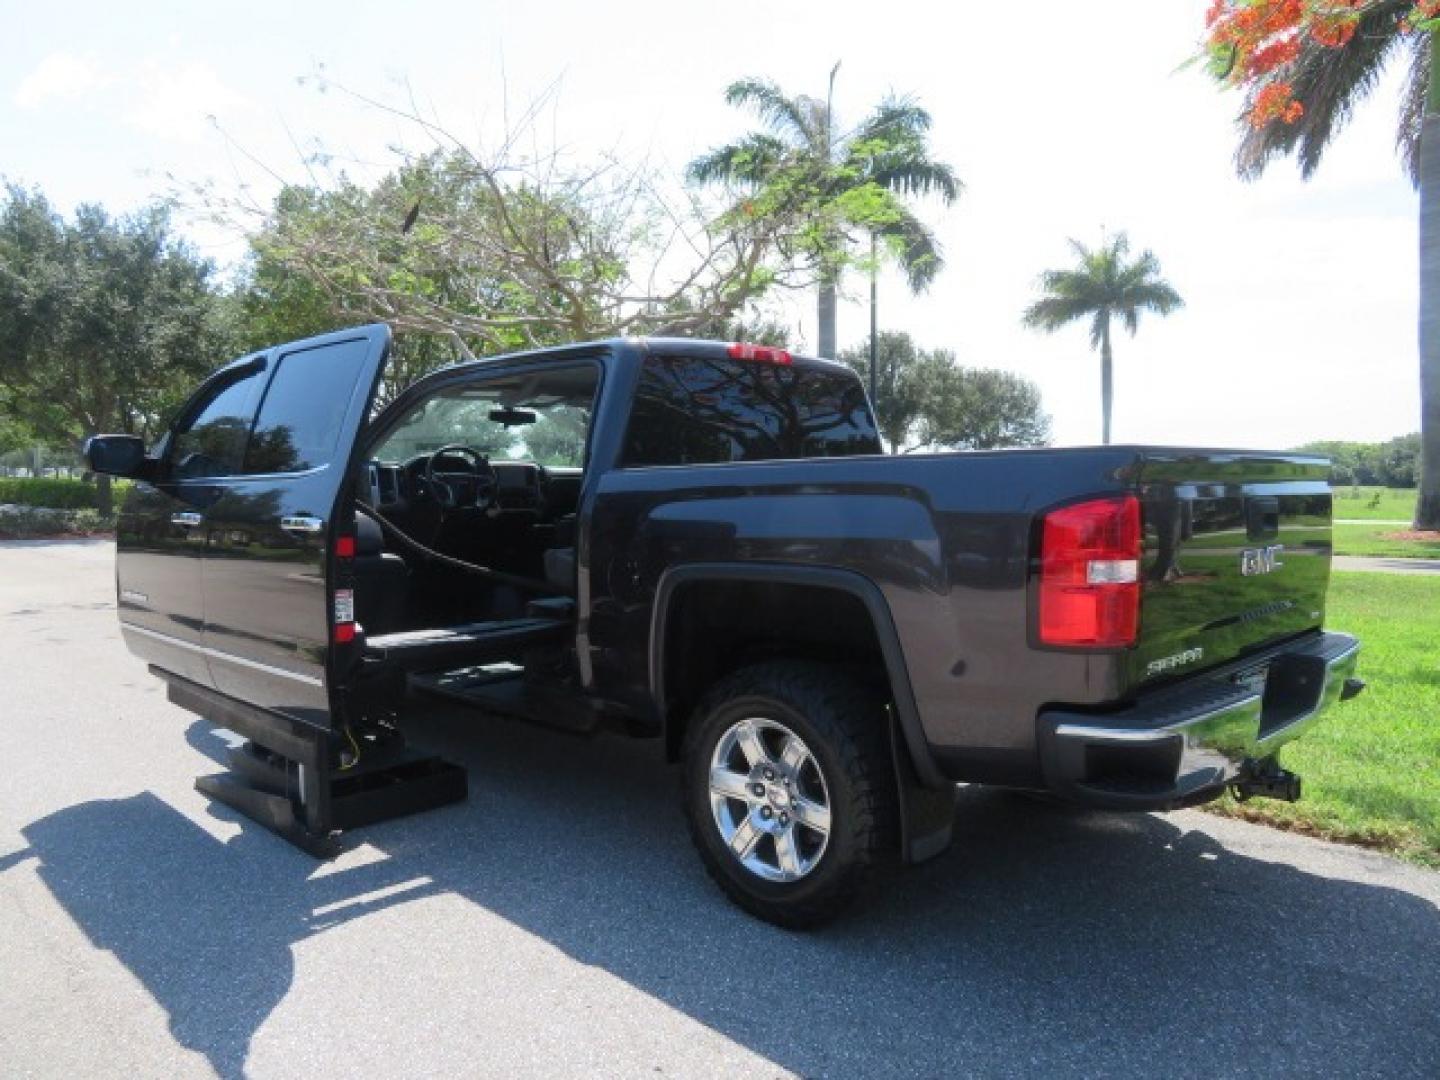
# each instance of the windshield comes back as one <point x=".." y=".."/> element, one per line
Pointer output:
<point x="541" y="416"/>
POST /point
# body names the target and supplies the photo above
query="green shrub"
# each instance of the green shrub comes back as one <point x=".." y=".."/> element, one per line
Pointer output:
<point x="29" y="522"/>
<point x="56" y="493"/>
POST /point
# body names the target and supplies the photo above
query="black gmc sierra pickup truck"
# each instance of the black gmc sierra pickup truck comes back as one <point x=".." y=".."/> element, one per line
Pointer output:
<point x="704" y="544"/>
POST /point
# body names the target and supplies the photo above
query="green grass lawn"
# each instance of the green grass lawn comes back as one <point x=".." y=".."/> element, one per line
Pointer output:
<point x="1372" y="765"/>
<point x="1377" y="540"/>
<point x="1375" y="503"/>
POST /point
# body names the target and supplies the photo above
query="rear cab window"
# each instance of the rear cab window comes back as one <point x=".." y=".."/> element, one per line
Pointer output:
<point x="692" y="410"/>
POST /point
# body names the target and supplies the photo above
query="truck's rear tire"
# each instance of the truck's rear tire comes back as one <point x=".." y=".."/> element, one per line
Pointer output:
<point x="789" y="789"/>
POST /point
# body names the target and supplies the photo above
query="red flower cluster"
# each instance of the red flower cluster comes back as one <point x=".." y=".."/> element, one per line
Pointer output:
<point x="1275" y="101"/>
<point x="1255" y="44"/>
<point x="1333" y="35"/>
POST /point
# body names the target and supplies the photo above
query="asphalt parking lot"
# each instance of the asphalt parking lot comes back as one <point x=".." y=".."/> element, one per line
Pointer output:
<point x="557" y="923"/>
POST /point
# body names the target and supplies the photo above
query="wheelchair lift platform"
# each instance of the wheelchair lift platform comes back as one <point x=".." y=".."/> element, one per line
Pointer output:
<point x="289" y="777"/>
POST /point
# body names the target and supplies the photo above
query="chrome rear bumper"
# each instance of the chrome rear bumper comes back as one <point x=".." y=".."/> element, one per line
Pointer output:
<point x="1183" y="745"/>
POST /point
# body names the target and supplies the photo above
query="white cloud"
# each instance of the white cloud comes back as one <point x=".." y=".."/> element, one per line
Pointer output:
<point x="173" y="101"/>
<point x="61" y="76"/>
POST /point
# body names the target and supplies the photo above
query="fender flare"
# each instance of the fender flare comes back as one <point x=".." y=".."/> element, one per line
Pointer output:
<point x="907" y="713"/>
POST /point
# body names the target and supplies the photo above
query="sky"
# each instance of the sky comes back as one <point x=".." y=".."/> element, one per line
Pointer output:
<point x="1062" y="119"/>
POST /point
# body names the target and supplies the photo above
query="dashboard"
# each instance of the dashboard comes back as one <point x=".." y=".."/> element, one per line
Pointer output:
<point x="522" y="486"/>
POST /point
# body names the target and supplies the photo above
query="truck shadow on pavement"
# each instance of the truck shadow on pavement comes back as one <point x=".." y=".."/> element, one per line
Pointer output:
<point x="1045" y="941"/>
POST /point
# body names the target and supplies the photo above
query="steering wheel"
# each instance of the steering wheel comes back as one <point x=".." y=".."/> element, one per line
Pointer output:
<point x="480" y="484"/>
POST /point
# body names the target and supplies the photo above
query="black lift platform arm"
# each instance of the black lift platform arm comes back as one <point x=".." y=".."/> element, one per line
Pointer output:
<point x="286" y="776"/>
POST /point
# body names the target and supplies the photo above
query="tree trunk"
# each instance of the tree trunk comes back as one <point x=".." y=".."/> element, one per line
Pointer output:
<point x="1107" y="381"/>
<point x="1427" y="506"/>
<point x="104" y="496"/>
<point x="826" y="312"/>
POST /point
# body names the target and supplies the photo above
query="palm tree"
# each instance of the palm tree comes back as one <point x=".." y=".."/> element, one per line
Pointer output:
<point x="822" y="189"/>
<point x="1329" y="81"/>
<point x="1103" y="286"/>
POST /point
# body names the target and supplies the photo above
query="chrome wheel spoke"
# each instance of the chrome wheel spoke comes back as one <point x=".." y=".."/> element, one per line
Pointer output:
<point x="748" y="739"/>
<point x="787" y="854"/>
<point x="730" y="784"/>
<point x="794" y="755"/>
<point x="812" y="815"/>
<point x="745" y="838"/>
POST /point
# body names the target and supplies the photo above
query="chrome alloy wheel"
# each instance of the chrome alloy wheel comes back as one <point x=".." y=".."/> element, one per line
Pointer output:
<point x="769" y="799"/>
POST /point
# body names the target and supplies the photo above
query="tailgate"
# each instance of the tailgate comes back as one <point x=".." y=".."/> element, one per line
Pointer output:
<point x="1237" y="556"/>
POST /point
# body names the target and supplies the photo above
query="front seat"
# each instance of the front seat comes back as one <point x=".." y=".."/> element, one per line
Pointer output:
<point x="560" y="558"/>
<point x="382" y="580"/>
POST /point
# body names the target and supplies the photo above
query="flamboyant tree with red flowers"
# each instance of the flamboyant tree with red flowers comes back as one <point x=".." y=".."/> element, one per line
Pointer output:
<point x="1303" y="66"/>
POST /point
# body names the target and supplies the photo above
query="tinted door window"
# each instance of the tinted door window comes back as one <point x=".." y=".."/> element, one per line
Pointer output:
<point x="300" y="418"/>
<point x="691" y="411"/>
<point x="213" y="443"/>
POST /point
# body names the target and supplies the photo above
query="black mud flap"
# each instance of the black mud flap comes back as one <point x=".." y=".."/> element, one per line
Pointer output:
<point x="927" y="815"/>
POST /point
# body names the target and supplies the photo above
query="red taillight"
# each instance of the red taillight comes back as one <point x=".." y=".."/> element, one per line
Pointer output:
<point x="765" y="354"/>
<point x="345" y="547"/>
<point x="1090" y="574"/>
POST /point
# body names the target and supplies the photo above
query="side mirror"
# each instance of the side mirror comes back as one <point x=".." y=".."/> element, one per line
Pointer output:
<point x="115" y="455"/>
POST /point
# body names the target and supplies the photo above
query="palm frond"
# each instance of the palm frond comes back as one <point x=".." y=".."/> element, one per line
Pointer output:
<point x="1050" y="313"/>
<point x="1082" y="286"/>
<point x="1099" y="326"/>
<point x="892" y="119"/>
<point x="1126" y="276"/>
<point x="917" y="249"/>
<point x="1329" y="82"/>
<point x="1083" y="253"/>
<point x="749" y="161"/>
<point x="1157" y="296"/>
<point x="1412" y="106"/>
<point x="766" y="100"/>
<point x="918" y="176"/>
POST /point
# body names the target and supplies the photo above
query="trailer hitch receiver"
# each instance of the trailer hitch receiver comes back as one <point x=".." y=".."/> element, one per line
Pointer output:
<point x="1266" y="780"/>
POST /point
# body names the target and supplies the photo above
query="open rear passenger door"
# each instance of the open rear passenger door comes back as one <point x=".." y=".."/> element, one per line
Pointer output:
<point x="269" y="604"/>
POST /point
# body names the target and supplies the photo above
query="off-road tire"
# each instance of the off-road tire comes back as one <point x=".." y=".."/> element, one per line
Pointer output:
<point x="843" y="724"/>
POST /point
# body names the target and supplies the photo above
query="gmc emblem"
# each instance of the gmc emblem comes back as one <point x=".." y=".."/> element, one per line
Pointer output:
<point x="1264" y="560"/>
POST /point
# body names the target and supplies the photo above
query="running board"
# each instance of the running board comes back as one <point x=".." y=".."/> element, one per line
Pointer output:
<point x="284" y="776"/>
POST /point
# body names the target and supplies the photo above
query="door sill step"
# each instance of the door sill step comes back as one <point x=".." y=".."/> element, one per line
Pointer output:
<point x="502" y="689"/>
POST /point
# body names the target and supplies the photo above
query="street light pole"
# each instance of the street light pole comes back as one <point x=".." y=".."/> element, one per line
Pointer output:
<point x="874" y="340"/>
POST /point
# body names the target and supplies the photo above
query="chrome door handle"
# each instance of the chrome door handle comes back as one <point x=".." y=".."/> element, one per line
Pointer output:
<point x="302" y="523"/>
<point x="185" y="519"/>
